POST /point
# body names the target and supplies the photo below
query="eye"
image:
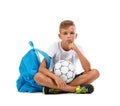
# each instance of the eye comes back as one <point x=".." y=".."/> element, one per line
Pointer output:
<point x="72" y="32"/>
<point x="65" y="33"/>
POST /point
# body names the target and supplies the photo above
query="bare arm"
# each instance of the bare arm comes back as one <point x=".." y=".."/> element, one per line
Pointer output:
<point x="45" y="71"/>
<point x="84" y="62"/>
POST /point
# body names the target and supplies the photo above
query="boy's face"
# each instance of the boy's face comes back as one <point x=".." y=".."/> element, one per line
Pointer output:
<point x="68" y="35"/>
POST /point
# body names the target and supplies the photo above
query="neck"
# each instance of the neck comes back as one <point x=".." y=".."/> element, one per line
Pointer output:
<point x="65" y="46"/>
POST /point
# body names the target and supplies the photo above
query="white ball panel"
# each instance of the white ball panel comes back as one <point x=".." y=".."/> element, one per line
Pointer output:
<point x="70" y="74"/>
<point x="71" y="67"/>
<point x="64" y="70"/>
<point x="65" y="63"/>
<point x="64" y="77"/>
<point x="58" y="72"/>
<point x="58" y="65"/>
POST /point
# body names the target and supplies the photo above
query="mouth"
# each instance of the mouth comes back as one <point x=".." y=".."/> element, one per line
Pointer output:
<point x="69" y="40"/>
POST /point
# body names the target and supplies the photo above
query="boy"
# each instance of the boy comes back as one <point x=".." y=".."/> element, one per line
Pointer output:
<point x="62" y="50"/>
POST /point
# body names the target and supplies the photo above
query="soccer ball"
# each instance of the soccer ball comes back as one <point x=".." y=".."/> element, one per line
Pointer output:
<point x="65" y="70"/>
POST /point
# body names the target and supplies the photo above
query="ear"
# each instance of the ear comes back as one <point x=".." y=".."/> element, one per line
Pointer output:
<point x="59" y="36"/>
<point x="76" y="35"/>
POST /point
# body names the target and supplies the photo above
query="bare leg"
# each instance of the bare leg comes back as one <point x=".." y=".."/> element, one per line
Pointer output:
<point x="85" y="78"/>
<point x="48" y="82"/>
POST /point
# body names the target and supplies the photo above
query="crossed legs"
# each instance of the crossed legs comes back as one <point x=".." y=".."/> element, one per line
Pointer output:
<point x="85" y="78"/>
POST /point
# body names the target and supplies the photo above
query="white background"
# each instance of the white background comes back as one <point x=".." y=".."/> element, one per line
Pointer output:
<point x="98" y="28"/>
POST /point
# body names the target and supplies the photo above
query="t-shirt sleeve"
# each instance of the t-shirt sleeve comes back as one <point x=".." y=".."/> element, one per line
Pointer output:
<point x="51" y="50"/>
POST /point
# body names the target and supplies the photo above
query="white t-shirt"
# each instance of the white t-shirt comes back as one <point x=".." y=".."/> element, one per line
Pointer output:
<point x="56" y="52"/>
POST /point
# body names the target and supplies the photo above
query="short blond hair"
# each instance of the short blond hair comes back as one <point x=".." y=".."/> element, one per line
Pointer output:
<point x="66" y="24"/>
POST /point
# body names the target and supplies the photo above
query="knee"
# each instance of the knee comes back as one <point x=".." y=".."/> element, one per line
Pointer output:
<point x="95" y="73"/>
<point x="37" y="77"/>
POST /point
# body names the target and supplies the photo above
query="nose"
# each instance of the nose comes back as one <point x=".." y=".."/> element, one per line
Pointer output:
<point x="68" y="35"/>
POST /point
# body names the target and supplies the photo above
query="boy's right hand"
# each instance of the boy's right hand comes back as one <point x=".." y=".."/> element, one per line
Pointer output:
<point x="60" y="83"/>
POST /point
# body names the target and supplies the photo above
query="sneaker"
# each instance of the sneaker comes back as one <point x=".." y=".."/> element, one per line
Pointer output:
<point x="47" y="90"/>
<point x="85" y="89"/>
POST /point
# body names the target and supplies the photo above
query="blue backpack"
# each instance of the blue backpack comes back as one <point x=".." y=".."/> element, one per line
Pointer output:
<point x="29" y="66"/>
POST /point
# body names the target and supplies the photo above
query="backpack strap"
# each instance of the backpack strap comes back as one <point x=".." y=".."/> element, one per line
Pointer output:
<point x="45" y="55"/>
